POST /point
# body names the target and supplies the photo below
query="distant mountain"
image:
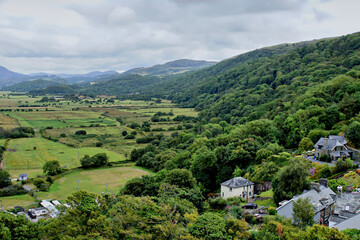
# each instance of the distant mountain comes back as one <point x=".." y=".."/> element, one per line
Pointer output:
<point x="89" y="77"/>
<point x="33" y="85"/>
<point x="8" y="77"/>
<point x="173" y="67"/>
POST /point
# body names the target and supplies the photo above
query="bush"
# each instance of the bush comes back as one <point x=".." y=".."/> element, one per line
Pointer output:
<point x="98" y="144"/>
<point x="98" y="160"/>
<point x="124" y="133"/>
<point x="62" y="135"/>
<point x="218" y="203"/>
<point x="131" y="136"/>
<point x="80" y="132"/>
<point x="272" y="211"/>
<point x="235" y="212"/>
<point x="12" y="190"/>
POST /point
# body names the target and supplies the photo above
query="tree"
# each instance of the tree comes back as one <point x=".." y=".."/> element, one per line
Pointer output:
<point x="52" y="167"/>
<point x="98" y="160"/>
<point x="290" y="180"/>
<point x="305" y="144"/>
<point x="5" y="179"/>
<point x="209" y="226"/>
<point x="182" y="178"/>
<point x="124" y="133"/>
<point x="353" y="133"/>
<point x="80" y="132"/>
<point x="303" y="212"/>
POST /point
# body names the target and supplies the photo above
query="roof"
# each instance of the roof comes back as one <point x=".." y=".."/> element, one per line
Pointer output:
<point x="24" y="175"/>
<point x="237" y="182"/>
<point x="352" y="222"/>
<point x="332" y="142"/>
<point x="319" y="199"/>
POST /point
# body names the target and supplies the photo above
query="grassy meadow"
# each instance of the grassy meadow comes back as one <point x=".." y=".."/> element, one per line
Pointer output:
<point x="55" y="124"/>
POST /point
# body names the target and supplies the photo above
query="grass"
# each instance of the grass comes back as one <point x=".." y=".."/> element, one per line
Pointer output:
<point x="19" y="200"/>
<point x="94" y="180"/>
<point x="7" y="122"/>
<point x="23" y="156"/>
<point x="267" y="202"/>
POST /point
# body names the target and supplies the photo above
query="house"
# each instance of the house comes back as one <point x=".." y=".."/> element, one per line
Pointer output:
<point x="237" y="187"/>
<point x="23" y="176"/>
<point x="321" y="197"/>
<point x="346" y="207"/>
<point x="334" y="146"/>
<point x="350" y="223"/>
<point x="36" y="212"/>
<point x="53" y="212"/>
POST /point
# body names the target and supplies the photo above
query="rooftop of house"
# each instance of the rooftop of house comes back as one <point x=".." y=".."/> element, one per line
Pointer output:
<point x="237" y="182"/>
<point x="320" y="197"/>
<point x="331" y="142"/>
<point x="23" y="175"/>
<point x="352" y="222"/>
<point x="347" y="202"/>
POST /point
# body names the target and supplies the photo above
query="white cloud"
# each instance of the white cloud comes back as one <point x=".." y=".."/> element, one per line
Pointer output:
<point x="87" y="35"/>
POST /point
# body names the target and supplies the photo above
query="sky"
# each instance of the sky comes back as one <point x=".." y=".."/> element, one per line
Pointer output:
<point x="78" y="36"/>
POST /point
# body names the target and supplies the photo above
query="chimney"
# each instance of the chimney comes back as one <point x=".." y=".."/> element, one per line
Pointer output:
<point x="324" y="182"/>
<point x="326" y="143"/>
<point x="315" y="186"/>
<point x="339" y="189"/>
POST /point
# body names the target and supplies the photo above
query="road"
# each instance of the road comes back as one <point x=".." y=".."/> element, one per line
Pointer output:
<point x="311" y="158"/>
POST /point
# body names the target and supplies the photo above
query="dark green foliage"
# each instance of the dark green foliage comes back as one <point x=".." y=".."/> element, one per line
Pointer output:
<point x="290" y="180"/>
<point x="325" y="158"/>
<point x="15" y="189"/>
<point x="41" y="184"/>
<point x="80" y="132"/>
<point x="5" y="179"/>
<point x="343" y="165"/>
<point x="124" y="133"/>
<point x="209" y="226"/>
<point x="182" y="178"/>
<point x="17" y="227"/>
<point x="305" y="144"/>
<point x="218" y="203"/>
<point x="52" y="167"/>
<point x="18" y="132"/>
<point x="353" y="133"/>
<point x="303" y="213"/>
<point x="98" y="160"/>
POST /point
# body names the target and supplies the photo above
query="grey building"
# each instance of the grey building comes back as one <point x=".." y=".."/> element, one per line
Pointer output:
<point x="334" y="146"/>
<point x="321" y="197"/>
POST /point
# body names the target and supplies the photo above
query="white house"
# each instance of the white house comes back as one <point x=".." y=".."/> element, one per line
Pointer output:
<point x="237" y="187"/>
<point x="23" y="176"/>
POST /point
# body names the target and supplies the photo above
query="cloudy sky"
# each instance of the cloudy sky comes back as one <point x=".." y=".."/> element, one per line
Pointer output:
<point x="77" y="36"/>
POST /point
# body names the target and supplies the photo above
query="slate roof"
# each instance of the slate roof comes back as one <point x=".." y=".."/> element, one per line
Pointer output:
<point x="332" y="142"/>
<point x="353" y="222"/>
<point x="319" y="199"/>
<point x="237" y="182"/>
<point x="23" y="175"/>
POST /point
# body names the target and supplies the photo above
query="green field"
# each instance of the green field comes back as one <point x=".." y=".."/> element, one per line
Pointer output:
<point x="94" y="180"/>
<point x="21" y="154"/>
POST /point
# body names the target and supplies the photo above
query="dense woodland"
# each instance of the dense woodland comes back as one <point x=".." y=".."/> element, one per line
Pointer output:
<point x="257" y="112"/>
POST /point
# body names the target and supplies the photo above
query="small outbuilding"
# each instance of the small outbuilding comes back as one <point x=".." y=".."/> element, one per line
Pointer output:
<point x="237" y="187"/>
<point x="23" y="176"/>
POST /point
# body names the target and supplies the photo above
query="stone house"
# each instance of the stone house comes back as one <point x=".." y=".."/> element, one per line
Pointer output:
<point x="321" y="197"/>
<point x="334" y="146"/>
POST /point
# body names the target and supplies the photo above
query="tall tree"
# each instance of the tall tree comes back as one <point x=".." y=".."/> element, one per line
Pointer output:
<point x="303" y="213"/>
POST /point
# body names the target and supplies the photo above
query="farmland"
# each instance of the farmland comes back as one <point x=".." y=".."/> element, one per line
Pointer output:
<point x="57" y="122"/>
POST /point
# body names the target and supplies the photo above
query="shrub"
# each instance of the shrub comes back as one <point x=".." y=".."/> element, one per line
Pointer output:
<point x="12" y="190"/>
<point x="272" y="211"/>
<point x="131" y="136"/>
<point x="98" y="160"/>
<point x="218" y="203"/>
<point x="80" y="132"/>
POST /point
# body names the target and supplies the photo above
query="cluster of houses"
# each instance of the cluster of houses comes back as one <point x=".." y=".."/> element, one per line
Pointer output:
<point x="340" y="210"/>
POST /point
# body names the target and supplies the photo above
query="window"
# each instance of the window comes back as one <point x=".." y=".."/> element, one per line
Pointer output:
<point x="231" y="189"/>
<point x="223" y="194"/>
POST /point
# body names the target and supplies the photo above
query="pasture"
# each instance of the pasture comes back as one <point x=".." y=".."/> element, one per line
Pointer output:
<point x="92" y="180"/>
<point x="32" y="153"/>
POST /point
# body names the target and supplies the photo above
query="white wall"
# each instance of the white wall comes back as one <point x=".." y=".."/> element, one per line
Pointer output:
<point x="227" y="192"/>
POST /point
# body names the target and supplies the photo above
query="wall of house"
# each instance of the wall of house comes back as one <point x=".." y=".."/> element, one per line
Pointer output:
<point x="227" y="192"/>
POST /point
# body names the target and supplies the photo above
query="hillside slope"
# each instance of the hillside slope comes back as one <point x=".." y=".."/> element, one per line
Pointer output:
<point x="173" y="67"/>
